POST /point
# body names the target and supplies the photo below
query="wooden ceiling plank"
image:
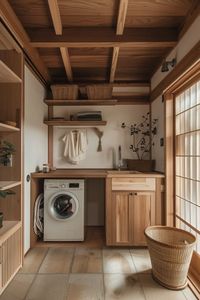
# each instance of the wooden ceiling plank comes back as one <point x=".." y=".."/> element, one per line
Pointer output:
<point x="66" y="62"/>
<point x="104" y="37"/>
<point x="193" y="13"/>
<point x="114" y="63"/>
<point x="55" y="15"/>
<point x="15" y="26"/>
<point x="121" y="16"/>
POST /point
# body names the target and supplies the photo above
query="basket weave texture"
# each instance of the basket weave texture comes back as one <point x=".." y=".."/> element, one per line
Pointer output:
<point x="170" y="252"/>
<point x="65" y="91"/>
<point x="99" y="91"/>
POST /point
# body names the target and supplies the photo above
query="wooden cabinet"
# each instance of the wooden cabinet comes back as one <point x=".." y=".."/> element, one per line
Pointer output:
<point x="142" y="205"/>
<point x="10" y="252"/>
<point x="129" y="212"/>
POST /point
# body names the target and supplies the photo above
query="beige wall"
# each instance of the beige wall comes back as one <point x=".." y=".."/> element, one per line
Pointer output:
<point x="113" y="136"/>
<point x="35" y="139"/>
<point x="187" y="42"/>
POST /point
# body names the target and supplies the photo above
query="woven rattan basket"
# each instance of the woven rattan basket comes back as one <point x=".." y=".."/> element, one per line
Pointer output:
<point x="65" y="91"/>
<point x="171" y="252"/>
<point x="99" y="91"/>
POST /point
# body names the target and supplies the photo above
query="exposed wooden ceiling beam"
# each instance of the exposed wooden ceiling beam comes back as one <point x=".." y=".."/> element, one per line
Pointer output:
<point x="15" y="26"/>
<point x="114" y="63"/>
<point x="122" y="16"/>
<point x="55" y="15"/>
<point x="104" y="37"/>
<point x="66" y="61"/>
<point x="191" y="16"/>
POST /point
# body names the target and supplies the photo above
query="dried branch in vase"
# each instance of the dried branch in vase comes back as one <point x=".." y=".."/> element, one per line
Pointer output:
<point x="142" y="135"/>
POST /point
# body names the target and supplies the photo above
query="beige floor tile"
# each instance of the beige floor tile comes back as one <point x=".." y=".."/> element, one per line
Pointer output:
<point x="48" y="287"/>
<point x="33" y="260"/>
<point x="154" y="291"/>
<point x="18" y="287"/>
<point x="85" y="287"/>
<point x="123" y="287"/>
<point x="141" y="260"/>
<point x="57" y="260"/>
<point x="189" y="294"/>
<point x="87" y="261"/>
<point x="117" y="261"/>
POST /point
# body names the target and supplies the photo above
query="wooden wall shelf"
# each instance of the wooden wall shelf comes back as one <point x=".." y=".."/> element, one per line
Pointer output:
<point x="74" y="123"/>
<point x="7" y="75"/>
<point x="8" y="128"/>
<point x="9" y="227"/>
<point x="107" y="102"/>
<point x="5" y="185"/>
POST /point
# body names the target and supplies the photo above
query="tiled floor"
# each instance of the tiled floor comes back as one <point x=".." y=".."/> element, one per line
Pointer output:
<point x="88" y="274"/>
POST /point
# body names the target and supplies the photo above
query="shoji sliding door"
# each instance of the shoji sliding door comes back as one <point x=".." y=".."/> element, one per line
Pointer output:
<point x="187" y="160"/>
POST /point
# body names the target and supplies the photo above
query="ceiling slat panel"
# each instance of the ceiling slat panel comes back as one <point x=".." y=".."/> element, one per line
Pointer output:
<point x="150" y="31"/>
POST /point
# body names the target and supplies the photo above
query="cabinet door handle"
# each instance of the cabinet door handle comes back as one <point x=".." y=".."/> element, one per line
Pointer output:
<point x="130" y="194"/>
<point x="135" y="194"/>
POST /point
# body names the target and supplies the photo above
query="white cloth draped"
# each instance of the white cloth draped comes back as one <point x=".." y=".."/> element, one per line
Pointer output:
<point x="75" y="146"/>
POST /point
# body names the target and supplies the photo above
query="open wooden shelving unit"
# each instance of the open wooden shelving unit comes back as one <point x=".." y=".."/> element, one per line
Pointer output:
<point x="74" y="123"/>
<point x="7" y="75"/>
<point x="85" y="102"/>
<point x="11" y="103"/>
<point x="9" y="227"/>
<point x="8" y="128"/>
<point x="5" y="185"/>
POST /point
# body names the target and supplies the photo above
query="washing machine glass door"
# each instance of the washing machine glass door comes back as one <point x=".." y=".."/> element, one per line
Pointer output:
<point x="63" y="206"/>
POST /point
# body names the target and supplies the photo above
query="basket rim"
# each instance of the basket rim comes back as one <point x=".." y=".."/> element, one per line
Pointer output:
<point x="173" y="229"/>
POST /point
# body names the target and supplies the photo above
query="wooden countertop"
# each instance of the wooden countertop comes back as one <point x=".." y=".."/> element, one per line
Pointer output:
<point x="71" y="173"/>
<point x="93" y="173"/>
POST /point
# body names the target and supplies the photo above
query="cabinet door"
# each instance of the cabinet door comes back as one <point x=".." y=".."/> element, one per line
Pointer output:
<point x="120" y="218"/>
<point x="11" y="257"/>
<point x="141" y="215"/>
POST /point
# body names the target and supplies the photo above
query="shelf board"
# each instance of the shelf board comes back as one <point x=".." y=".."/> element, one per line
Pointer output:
<point x="7" y="75"/>
<point x="80" y="102"/>
<point x="8" y="128"/>
<point x="5" y="185"/>
<point x="9" y="227"/>
<point x="74" y="123"/>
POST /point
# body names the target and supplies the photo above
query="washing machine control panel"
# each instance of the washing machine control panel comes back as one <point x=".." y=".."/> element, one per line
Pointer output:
<point x="57" y="184"/>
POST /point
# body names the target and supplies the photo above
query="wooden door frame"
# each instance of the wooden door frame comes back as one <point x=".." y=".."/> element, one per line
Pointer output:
<point x="188" y="79"/>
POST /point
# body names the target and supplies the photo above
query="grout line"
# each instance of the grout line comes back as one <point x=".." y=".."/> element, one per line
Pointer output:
<point x="43" y="260"/>
<point x="138" y="276"/>
<point x="34" y="279"/>
<point x="102" y="262"/>
<point x="35" y="275"/>
<point x="72" y="261"/>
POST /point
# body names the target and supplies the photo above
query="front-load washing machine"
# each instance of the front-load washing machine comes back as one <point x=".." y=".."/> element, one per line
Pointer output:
<point x="63" y="210"/>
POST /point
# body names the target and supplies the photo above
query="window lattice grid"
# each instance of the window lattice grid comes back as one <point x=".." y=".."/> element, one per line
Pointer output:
<point x="182" y="225"/>
<point x="187" y="160"/>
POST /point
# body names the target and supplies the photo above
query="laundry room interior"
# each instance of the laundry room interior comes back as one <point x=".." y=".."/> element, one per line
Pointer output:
<point x="99" y="149"/>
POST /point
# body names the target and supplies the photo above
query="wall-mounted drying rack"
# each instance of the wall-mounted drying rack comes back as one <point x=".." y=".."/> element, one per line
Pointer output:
<point x="74" y="123"/>
<point x="107" y="102"/>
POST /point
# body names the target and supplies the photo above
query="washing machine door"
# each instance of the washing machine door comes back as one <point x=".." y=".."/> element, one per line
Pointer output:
<point x="63" y="206"/>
